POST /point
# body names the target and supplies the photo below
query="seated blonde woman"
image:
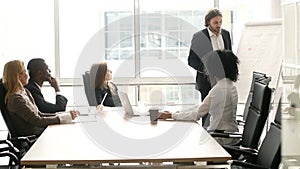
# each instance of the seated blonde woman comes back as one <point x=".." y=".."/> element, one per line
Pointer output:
<point x="28" y="120"/>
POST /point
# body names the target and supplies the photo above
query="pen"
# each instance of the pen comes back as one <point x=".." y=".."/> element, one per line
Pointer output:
<point x="103" y="99"/>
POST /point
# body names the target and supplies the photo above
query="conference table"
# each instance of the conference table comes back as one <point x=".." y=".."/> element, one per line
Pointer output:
<point x="112" y="137"/>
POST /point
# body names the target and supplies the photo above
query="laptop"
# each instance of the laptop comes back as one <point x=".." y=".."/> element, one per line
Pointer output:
<point x="129" y="110"/>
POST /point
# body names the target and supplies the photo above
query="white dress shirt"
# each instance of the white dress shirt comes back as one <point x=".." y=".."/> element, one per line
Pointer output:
<point x="216" y="40"/>
<point x="221" y="103"/>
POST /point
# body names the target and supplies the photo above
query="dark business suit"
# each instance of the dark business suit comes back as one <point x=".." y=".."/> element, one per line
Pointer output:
<point x="200" y="47"/>
<point x="42" y="104"/>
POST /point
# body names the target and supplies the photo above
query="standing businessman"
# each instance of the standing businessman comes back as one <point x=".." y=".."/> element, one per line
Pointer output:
<point x="213" y="37"/>
<point x="39" y="73"/>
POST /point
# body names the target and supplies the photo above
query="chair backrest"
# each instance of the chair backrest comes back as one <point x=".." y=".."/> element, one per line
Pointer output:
<point x="11" y="129"/>
<point x="269" y="153"/>
<point x="276" y="106"/>
<point x="277" y="119"/>
<point x="256" y="76"/>
<point x="89" y="92"/>
<point x="257" y="115"/>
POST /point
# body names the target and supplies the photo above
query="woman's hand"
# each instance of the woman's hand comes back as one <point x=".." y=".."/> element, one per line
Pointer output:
<point x="74" y="113"/>
<point x="165" y="115"/>
<point x="100" y="107"/>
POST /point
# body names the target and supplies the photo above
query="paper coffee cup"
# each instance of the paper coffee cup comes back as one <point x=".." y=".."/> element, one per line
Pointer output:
<point x="153" y="115"/>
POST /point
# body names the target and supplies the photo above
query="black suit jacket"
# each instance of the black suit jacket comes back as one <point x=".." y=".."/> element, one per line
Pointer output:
<point x="200" y="47"/>
<point x="42" y="104"/>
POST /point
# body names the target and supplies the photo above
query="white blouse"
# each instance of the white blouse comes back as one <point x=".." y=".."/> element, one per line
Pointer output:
<point x="216" y="40"/>
<point x="221" y="103"/>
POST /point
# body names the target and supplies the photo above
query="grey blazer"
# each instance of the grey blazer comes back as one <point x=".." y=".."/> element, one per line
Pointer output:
<point x="26" y="117"/>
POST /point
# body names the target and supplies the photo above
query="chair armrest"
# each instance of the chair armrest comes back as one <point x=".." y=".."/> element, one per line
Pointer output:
<point x="225" y="134"/>
<point x="246" y="164"/>
<point x="241" y="122"/>
<point x="28" y="139"/>
<point x="248" y="149"/>
<point x="239" y="153"/>
<point x="23" y="143"/>
<point x="213" y="134"/>
<point x="242" y="150"/>
<point x="216" y="131"/>
<point x="223" y="131"/>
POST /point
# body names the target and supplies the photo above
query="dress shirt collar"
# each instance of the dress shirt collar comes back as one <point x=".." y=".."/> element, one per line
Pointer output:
<point x="211" y="33"/>
<point x="37" y="85"/>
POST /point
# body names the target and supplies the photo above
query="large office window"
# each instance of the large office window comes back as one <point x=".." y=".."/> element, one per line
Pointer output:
<point x="291" y="62"/>
<point x="26" y="31"/>
<point x="145" y="43"/>
<point x="82" y="26"/>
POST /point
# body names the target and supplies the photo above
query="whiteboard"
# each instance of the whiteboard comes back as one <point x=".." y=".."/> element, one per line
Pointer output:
<point x="260" y="49"/>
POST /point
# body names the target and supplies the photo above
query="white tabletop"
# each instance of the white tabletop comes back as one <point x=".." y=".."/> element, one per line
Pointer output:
<point x="111" y="137"/>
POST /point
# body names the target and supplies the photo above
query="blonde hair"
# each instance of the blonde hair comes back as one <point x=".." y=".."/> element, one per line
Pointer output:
<point x="11" y="81"/>
<point x="97" y="77"/>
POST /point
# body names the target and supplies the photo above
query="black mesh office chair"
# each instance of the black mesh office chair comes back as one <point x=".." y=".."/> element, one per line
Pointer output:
<point x="277" y="119"/>
<point x="268" y="155"/>
<point x="89" y="92"/>
<point x="23" y="143"/>
<point x="255" y="121"/>
<point x="256" y="76"/>
<point x="257" y="114"/>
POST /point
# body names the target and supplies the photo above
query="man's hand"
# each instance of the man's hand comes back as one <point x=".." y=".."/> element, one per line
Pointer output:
<point x="53" y="82"/>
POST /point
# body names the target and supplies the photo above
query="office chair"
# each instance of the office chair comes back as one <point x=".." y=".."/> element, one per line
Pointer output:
<point x="8" y="150"/>
<point x="267" y="156"/>
<point x="277" y="119"/>
<point x="247" y="156"/>
<point x="23" y="143"/>
<point x="89" y="91"/>
<point x="255" y="121"/>
<point x="256" y="76"/>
